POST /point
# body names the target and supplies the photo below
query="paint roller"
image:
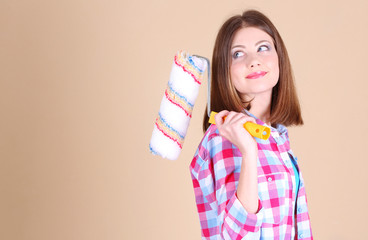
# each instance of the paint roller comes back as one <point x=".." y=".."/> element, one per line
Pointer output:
<point x="177" y="104"/>
<point x="176" y="107"/>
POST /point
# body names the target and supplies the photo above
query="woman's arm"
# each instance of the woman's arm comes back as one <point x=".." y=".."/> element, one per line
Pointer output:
<point x="232" y="129"/>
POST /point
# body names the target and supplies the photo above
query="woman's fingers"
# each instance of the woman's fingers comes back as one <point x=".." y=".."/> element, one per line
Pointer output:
<point x="225" y="117"/>
<point x="231" y="123"/>
<point x="231" y="126"/>
<point x="249" y="119"/>
<point x="220" y="117"/>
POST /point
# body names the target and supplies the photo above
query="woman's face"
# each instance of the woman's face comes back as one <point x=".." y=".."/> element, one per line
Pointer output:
<point x="254" y="69"/>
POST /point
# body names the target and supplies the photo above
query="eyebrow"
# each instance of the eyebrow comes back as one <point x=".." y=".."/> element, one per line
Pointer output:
<point x="242" y="46"/>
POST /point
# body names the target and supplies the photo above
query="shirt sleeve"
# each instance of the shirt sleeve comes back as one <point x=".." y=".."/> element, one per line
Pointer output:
<point x="302" y="216"/>
<point x="220" y="211"/>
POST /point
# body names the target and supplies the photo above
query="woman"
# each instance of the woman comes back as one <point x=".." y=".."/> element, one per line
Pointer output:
<point x="249" y="188"/>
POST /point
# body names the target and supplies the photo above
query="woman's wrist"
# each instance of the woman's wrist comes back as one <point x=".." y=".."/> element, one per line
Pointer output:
<point x="249" y="153"/>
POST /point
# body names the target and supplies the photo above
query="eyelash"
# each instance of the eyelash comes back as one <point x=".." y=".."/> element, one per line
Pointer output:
<point x="235" y="53"/>
<point x="267" y="47"/>
<point x="258" y="50"/>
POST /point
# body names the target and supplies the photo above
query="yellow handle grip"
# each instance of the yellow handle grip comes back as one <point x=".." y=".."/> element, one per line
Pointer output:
<point x="254" y="129"/>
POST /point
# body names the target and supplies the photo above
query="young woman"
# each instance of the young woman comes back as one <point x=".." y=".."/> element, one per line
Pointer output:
<point x="245" y="187"/>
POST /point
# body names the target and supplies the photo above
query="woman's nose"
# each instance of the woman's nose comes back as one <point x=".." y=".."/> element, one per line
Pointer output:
<point x="253" y="61"/>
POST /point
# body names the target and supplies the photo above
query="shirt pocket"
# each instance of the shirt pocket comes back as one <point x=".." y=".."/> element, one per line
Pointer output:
<point x="273" y="191"/>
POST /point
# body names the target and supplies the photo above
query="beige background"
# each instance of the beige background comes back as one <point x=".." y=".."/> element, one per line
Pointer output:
<point x="80" y="87"/>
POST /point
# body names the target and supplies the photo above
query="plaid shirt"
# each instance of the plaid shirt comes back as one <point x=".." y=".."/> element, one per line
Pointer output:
<point x="215" y="171"/>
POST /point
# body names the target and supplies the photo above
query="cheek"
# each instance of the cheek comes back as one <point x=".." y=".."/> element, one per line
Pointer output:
<point x="272" y="61"/>
<point x="235" y="69"/>
<point x="236" y="74"/>
<point x="273" y="64"/>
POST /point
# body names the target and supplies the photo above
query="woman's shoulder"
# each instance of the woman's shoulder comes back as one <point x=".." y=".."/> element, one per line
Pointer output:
<point x="211" y="132"/>
<point x="204" y="147"/>
<point x="209" y="136"/>
<point x="211" y="144"/>
<point x="212" y="149"/>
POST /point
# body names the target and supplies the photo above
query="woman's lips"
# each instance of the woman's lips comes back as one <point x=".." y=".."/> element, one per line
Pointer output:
<point x="255" y="75"/>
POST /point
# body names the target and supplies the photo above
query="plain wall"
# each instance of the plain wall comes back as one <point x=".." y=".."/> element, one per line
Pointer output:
<point x="80" y="87"/>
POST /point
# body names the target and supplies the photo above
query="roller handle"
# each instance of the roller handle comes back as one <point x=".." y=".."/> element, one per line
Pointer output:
<point x="254" y="129"/>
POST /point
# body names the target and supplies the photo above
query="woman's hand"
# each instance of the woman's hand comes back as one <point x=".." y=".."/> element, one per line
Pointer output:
<point x="232" y="129"/>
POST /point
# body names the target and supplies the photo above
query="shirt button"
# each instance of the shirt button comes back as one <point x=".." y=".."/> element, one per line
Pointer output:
<point x="270" y="179"/>
<point x="301" y="235"/>
<point x="300" y="209"/>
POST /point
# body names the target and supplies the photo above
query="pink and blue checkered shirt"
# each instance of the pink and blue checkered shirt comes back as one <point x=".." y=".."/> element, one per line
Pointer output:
<point x="215" y="171"/>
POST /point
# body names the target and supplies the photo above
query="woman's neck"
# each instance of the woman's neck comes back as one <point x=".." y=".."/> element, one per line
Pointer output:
<point x="261" y="108"/>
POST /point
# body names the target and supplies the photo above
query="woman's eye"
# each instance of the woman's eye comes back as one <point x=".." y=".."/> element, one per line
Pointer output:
<point x="237" y="54"/>
<point x="263" y="48"/>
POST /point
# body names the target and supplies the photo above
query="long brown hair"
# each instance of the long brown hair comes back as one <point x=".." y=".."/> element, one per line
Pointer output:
<point x="285" y="107"/>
